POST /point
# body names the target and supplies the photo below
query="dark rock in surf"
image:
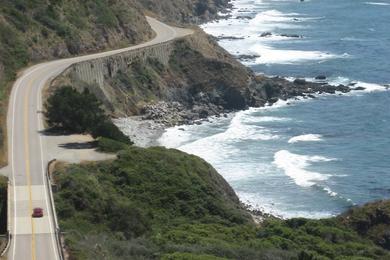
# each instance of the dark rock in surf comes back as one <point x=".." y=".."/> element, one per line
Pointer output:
<point x="244" y="17"/>
<point x="266" y="34"/>
<point x="245" y="57"/>
<point x="300" y="81"/>
<point x="291" y="35"/>
<point x="320" y="77"/>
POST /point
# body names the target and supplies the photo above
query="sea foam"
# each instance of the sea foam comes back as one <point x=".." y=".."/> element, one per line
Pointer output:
<point x="305" y="138"/>
<point x="377" y="3"/>
<point x="294" y="166"/>
<point x="269" y="55"/>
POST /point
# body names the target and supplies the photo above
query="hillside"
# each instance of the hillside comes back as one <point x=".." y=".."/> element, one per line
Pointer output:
<point x="164" y="204"/>
<point x="199" y="74"/>
<point x="37" y="30"/>
<point x="186" y="11"/>
<point x="32" y="31"/>
<point x="197" y="79"/>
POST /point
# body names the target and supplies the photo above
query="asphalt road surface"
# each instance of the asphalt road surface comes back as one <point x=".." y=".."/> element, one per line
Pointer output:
<point x="34" y="238"/>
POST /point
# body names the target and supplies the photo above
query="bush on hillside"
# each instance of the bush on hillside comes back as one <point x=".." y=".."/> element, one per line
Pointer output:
<point x="110" y="146"/>
<point x="77" y="112"/>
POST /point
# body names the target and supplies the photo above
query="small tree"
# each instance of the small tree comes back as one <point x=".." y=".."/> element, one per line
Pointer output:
<point x="77" y="112"/>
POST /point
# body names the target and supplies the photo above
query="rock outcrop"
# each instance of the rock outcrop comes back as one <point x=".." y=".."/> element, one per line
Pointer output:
<point x="186" y="11"/>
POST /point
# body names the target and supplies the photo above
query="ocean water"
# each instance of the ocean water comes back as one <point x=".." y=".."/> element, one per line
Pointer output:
<point x="304" y="158"/>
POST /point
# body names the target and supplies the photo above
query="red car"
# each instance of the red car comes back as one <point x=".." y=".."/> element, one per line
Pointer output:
<point x="37" y="213"/>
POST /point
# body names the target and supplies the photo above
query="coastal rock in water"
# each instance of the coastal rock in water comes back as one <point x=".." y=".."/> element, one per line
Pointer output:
<point x="244" y="17"/>
<point x="291" y="35"/>
<point x="229" y="38"/>
<point x="300" y="81"/>
<point x="266" y="34"/>
<point x="245" y="57"/>
<point x="320" y="77"/>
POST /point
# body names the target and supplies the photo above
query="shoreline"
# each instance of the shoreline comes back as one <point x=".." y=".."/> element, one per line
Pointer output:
<point x="144" y="133"/>
<point x="145" y="130"/>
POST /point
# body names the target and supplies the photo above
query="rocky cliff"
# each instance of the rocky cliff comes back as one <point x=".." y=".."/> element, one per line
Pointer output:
<point x="194" y="72"/>
<point x="181" y="81"/>
<point x="186" y="11"/>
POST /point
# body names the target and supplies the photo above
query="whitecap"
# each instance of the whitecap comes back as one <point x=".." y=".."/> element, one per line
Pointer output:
<point x="330" y="192"/>
<point x="377" y="3"/>
<point x="370" y="87"/>
<point x="262" y="119"/>
<point x="269" y="206"/>
<point x="294" y="166"/>
<point x="174" y="137"/>
<point x="305" y="138"/>
<point x="269" y="55"/>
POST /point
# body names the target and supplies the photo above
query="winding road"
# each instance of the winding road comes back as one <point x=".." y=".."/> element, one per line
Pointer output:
<point x="35" y="238"/>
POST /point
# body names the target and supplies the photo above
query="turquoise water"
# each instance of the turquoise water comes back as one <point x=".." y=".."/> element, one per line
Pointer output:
<point x="312" y="158"/>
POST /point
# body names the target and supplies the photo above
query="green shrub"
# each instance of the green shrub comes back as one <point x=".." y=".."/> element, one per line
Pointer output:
<point x="77" y="112"/>
<point x="110" y="146"/>
<point x="189" y="256"/>
<point x="109" y="130"/>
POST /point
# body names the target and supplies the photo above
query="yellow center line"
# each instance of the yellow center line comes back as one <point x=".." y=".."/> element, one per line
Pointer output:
<point x="28" y="173"/>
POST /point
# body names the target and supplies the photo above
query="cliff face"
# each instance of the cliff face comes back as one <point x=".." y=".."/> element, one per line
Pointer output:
<point x="202" y="78"/>
<point x="180" y="81"/>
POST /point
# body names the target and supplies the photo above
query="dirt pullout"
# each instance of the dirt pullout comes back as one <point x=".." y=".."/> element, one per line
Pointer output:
<point x="73" y="149"/>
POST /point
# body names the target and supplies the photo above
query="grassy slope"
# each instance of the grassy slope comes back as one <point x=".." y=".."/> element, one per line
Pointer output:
<point x="159" y="203"/>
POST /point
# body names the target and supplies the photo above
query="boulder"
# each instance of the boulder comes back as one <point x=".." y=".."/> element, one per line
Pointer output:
<point x="320" y="77"/>
<point x="246" y="57"/>
<point x="300" y="81"/>
<point x="266" y="34"/>
<point x="291" y="35"/>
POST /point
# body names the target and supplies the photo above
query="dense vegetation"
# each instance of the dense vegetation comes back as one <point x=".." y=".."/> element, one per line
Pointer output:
<point x="77" y="112"/>
<point x="164" y="204"/>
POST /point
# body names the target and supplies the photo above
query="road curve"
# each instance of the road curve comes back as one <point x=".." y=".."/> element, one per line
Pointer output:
<point x="34" y="238"/>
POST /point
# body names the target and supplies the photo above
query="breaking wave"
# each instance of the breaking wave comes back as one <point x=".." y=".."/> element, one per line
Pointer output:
<point x="305" y="138"/>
